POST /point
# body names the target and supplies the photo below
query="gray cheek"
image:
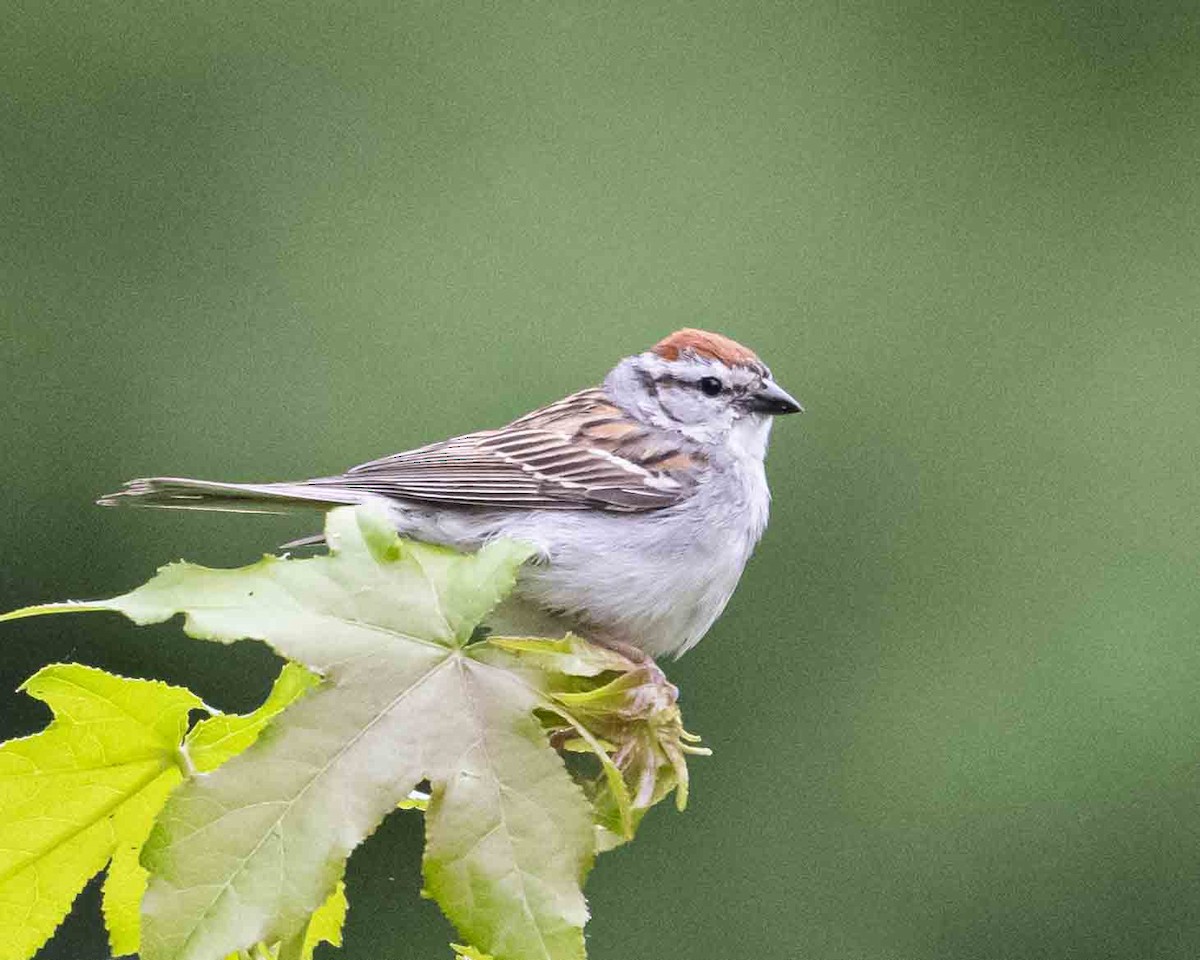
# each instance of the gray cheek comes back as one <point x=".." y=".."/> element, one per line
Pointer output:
<point x="686" y="405"/>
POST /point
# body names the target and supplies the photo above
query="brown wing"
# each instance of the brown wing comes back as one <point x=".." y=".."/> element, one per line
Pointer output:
<point x="580" y="453"/>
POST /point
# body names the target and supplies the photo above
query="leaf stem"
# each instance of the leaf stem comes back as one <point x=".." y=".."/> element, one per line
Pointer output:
<point x="68" y="606"/>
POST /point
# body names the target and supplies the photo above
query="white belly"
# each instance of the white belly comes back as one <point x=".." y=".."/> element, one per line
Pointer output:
<point x="653" y="580"/>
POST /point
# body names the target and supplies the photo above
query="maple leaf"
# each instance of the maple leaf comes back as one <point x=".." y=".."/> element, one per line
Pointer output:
<point x="72" y="793"/>
<point x="390" y="689"/>
<point x="84" y="793"/>
<point x="209" y="744"/>
<point x="247" y="853"/>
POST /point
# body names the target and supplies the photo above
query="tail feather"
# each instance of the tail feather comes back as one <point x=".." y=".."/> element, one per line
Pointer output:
<point x="181" y="493"/>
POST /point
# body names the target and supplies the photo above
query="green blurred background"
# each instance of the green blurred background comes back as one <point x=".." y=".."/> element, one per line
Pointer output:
<point x="954" y="702"/>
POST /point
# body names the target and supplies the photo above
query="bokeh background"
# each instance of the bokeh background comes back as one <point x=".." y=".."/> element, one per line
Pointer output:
<point x="955" y="703"/>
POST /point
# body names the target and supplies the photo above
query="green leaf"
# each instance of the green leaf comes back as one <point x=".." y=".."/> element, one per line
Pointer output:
<point x="500" y="858"/>
<point x="326" y="924"/>
<point x="105" y="765"/>
<point x="622" y="711"/>
<point x="416" y="800"/>
<point x="217" y="739"/>
<point x="79" y="792"/>
<point x="209" y="744"/>
<point x="247" y="858"/>
<point x="247" y="853"/>
<point x="464" y="952"/>
<point x="126" y="879"/>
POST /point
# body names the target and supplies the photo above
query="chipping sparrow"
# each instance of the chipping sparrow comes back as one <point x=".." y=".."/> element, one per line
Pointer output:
<point x="644" y="497"/>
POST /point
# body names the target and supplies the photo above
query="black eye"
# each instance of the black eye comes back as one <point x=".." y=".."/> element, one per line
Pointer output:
<point x="710" y="386"/>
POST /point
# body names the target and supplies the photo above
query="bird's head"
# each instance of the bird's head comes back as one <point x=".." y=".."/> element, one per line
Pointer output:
<point x="700" y="384"/>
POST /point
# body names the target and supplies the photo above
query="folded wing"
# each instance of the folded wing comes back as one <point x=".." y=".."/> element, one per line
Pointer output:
<point x="580" y="453"/>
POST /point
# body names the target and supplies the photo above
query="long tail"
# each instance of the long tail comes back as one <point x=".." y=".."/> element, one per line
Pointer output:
<point x="181" y="493"/>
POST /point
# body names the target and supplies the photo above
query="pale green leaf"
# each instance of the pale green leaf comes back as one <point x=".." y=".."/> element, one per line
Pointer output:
<point x="246" y="854"/>
<point x="80" y="790"/>
<point x="622" y="711"/>
<point x="324" y="926"/>
<point x="244" y="857"/>
<point x="567" y="656"/>
<point x="495" y="816"/>
<point x="215" y="740"/>
<point x="209" y="744"/>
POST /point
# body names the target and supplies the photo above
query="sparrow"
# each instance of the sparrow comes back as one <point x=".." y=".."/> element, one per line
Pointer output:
<point x="643" y="497"/>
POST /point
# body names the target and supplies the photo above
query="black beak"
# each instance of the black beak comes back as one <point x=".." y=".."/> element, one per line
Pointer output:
<point x="773" y="399"/>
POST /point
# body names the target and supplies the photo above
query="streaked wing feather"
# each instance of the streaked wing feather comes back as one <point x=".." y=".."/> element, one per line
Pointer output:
<point x="579" y="453"/>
